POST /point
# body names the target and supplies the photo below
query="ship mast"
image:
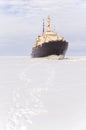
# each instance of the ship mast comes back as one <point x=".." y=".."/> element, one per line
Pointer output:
<point x="43" y="25"/>
<point x="48" y="24"/>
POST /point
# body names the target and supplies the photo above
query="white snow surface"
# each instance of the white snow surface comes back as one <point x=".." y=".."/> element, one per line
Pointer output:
<point x="42" y="93"/>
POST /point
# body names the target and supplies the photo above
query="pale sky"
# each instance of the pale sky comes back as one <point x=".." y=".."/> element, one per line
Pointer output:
<point x="21" y="23"/>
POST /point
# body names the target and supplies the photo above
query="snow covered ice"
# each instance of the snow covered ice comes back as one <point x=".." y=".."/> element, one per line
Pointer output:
<point x="42" y="93"/>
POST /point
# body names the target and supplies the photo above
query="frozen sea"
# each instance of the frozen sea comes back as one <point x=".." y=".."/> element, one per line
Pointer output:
<point x="42" y="93"/>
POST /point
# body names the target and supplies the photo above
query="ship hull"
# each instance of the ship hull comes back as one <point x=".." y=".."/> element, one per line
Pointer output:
<point x="50" y="48"/>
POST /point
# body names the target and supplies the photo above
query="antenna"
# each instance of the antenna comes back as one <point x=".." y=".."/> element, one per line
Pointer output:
<point x="54" y="28"/>
<point x="43" y="25"/>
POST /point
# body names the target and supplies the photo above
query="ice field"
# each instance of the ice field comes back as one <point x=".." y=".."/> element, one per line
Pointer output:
<point x="42" y="93"/>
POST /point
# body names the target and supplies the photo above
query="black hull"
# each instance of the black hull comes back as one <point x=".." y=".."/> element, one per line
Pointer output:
<point x="51" y="48"/>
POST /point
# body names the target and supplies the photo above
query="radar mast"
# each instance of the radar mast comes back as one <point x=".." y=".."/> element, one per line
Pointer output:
<point x="48" y="24"/>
